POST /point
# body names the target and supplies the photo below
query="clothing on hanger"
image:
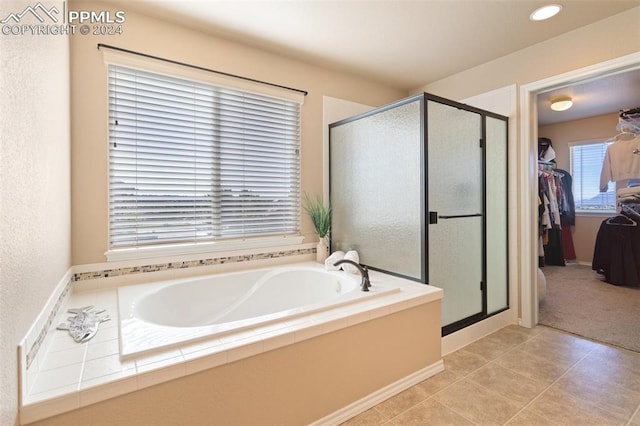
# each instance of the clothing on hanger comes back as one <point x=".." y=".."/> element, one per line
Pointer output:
<point x="617" y="251"/>
<point x="620" y="162"/>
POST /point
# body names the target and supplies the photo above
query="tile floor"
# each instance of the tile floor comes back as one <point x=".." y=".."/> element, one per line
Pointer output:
<point x="520" y="376"/>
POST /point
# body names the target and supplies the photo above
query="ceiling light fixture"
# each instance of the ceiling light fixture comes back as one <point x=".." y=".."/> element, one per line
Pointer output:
<point x="561" y="104"/>
<point x="545" y="12"/>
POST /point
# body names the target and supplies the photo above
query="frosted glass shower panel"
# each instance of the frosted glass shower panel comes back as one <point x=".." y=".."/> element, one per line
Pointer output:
<point x="455" y="160"/>
<point x="376" y="185"/>
<point x="456" y="209"/>
<point x="496" y="214"/>
<point x="455" y="265"/>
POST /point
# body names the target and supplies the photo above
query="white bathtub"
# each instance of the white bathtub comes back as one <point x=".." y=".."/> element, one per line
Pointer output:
<point x="158" y="315"/>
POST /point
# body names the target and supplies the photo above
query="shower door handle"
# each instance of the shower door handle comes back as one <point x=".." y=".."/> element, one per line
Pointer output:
<point x="457" y="216"/>
<point x="434" y="216"/>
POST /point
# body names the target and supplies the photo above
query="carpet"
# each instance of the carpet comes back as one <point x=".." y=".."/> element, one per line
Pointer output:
<point x="578" y="301"/>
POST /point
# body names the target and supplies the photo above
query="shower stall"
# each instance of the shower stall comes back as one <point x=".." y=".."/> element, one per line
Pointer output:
<point x="419" y="189"/>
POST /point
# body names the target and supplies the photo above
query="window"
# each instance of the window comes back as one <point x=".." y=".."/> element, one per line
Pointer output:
<point x="586" y="166"/>
<point x="192" y="162"/>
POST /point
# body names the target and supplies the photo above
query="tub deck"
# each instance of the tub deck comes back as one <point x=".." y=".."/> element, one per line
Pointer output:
<point x="69" y="376"/>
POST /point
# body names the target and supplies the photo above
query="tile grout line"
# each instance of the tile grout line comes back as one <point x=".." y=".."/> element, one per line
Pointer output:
<point x="548" y="387"/>
<point x="387" y="420"/>
<point x="495" y="361"/>
<point x="635" y="413"/>
<point x="426" y="399"/>
<point x="571" y="368"/>
<point x="514" y="347"/>
<point x="463" y="377"/>
<point x="84" y="363"/>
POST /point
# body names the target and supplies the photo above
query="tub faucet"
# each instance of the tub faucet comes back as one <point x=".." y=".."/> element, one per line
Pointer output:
<point x="365" y="284"/>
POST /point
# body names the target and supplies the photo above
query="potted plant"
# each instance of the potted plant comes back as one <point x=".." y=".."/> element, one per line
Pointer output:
<point x="321" y="218"/>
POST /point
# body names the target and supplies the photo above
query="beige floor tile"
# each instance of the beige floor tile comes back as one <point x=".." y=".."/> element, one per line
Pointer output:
<point x="527" y="418"/>
<point x="603" y="392"/>
<point x="619" y="357"/>
<point x="401" y="402"/>
<point x="609" y="371"/>
<point x="509" y="384"/>
<point x="542" y="369"/>
<point x="563" y="409"/>
<point x="560" y="338"/>
<point x="438" y="382"/>
<point x="514" y="335"/>
<point x="582" y="383"/>
<point x="463" y="362"/>
<point x="371" y="417"/>
<point x="563" y="348"/>
<point x="488" y="348"/>
<point x="430" y="412"/>
<point x="476" y="403"/>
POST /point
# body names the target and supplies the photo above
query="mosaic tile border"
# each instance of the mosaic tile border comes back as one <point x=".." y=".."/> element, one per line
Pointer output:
<point x="83" y="276"/>
<point x="188" y="264"/>
<point x="33" y="351"/>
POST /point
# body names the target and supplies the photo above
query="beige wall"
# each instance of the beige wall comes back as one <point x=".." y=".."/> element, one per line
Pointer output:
<point x="610" y="38"/>
<point x="561" y="134"/>
<point x="156" y="37"/>
<point x="293" y="385"/>
<point x="34" y="187"/>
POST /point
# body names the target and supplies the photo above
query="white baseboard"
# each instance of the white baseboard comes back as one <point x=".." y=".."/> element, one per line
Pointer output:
<point x="477" y="331"/>
<point x="380" y="395"/>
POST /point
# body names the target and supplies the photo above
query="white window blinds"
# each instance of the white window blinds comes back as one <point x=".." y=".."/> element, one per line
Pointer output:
<point x="193" y="162"/>
<point x="586" y="165"/>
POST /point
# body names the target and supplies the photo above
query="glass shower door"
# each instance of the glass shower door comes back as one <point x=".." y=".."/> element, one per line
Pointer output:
<point x="456" y="212"/>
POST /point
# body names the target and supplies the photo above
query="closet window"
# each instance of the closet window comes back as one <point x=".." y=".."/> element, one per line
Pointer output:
<point x="191" y="162"/>
<point x="586" y="165"/>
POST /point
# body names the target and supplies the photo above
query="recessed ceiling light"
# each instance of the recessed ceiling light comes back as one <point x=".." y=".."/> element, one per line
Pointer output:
<point x="561" y="104"/>
<point x="545" y="12"/>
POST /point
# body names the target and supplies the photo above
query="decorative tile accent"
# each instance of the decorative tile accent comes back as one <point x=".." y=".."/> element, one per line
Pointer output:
<point x="188" y="264"/>
<point x="33" y="351"/>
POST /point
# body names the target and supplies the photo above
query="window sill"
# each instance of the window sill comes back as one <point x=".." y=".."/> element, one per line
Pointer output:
<point x="246" y="245"/>
<point x="597" y="213"/>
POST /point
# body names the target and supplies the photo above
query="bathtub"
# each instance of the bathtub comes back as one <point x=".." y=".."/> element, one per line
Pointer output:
<point x="160" y="315"/>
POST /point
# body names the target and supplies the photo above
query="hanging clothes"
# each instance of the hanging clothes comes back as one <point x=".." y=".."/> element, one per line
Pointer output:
<point x="556" y="208"/>
<point x="621" y="162"/>
<point x="567" y="214"/>
<point x="622" y="159"/>
<point x="545" y="151"/>
<point x="568" y="205"/>
<point x="617" y="250"/>
<point x="551" y="196"/>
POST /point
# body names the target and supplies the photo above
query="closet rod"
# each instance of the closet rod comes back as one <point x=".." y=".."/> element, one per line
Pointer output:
<point x="146" y="55"/>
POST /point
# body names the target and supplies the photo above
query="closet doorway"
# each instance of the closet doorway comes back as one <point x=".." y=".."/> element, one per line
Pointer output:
<point x="535" y="99"/>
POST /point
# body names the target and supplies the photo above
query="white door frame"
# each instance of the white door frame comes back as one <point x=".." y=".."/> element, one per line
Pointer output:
<point x="527" y="162"/>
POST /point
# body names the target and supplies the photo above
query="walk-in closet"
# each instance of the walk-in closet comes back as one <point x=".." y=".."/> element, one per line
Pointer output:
<point x="588" y="213"/>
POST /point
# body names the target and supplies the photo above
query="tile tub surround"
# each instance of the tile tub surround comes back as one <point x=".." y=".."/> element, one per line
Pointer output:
<point x="71" y="376"/>
<point x="37" y="336"/>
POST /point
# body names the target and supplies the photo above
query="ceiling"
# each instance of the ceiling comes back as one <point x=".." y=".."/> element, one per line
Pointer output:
<point x="403" y="44"/>
<point x="593" y="97"/>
